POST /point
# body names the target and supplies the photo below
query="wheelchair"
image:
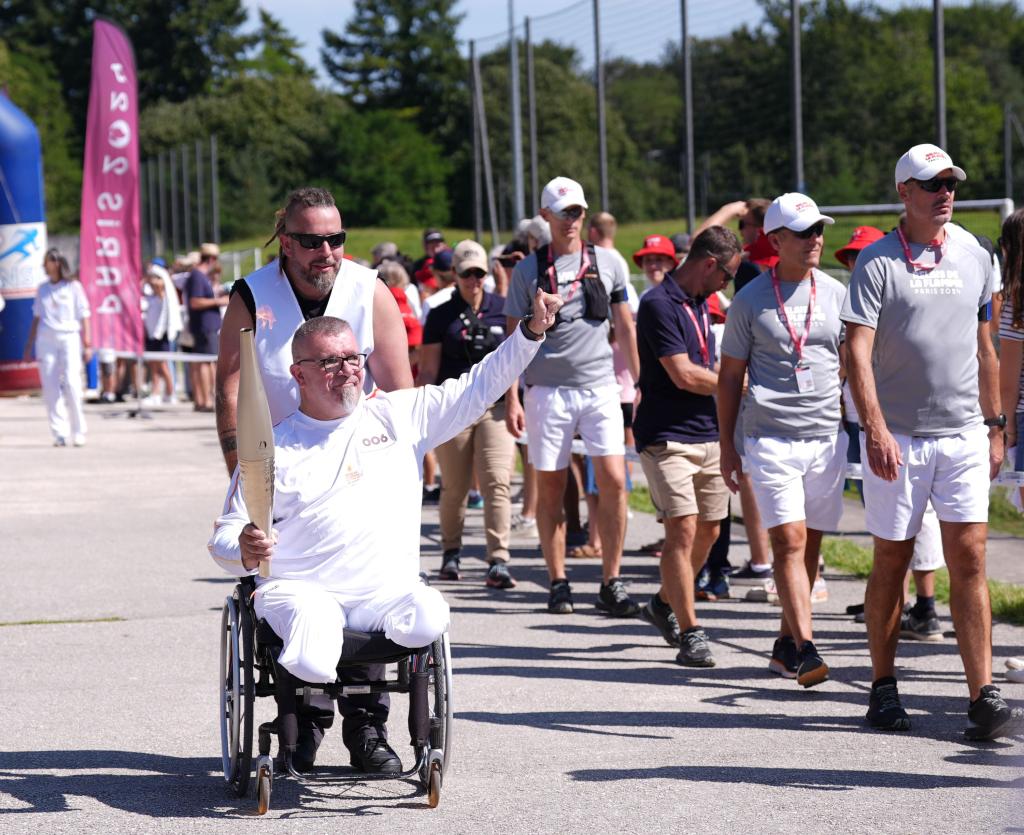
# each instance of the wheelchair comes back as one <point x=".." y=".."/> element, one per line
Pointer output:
<point x="248" y="669"/>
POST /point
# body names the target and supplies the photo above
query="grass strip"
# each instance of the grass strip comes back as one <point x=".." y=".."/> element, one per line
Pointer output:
<point x="50" y="622"/>
<point x="1007" y="598"/>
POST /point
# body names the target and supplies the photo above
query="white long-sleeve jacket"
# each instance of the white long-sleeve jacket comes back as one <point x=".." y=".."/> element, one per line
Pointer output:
<point x="347" y="492"/>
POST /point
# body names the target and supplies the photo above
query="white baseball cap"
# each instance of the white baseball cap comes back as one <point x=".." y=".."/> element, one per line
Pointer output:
<point x="795" y="211"/>
<point x="467" y="255"/>
<point x="562" y="192"/>
<point x="922" y="162"/>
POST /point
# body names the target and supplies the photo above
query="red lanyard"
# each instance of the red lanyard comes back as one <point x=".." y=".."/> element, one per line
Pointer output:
<point x="798" y="343"/>
<point x="552" y="279"/>
<point x="916" y="265"/>
<point x="702" y="333"/>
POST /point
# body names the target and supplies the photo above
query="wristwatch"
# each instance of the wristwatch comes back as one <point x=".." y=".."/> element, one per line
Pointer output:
<point x="998" y="420"/>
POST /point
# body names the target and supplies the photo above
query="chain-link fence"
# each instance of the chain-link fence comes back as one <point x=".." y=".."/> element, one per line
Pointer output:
<point x="619" y="125"/>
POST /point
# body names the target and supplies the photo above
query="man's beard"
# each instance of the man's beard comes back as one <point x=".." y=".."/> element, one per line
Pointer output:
<point x="350" y="398"/>
<point x="320" y="280"/>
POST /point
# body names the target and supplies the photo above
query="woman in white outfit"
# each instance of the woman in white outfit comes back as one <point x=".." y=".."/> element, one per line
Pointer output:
<point x="60" y="333"/>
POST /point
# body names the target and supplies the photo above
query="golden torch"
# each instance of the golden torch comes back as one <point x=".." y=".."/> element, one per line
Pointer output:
<point x="255" y="441"/>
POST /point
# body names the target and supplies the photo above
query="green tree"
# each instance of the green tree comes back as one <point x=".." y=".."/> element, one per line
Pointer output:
<point x="274" y="52"/>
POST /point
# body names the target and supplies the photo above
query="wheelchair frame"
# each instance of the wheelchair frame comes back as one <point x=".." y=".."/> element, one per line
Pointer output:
<point x="248" y="669"/>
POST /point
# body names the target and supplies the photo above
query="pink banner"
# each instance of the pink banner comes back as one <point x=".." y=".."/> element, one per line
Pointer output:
<point x="110" y="259"/>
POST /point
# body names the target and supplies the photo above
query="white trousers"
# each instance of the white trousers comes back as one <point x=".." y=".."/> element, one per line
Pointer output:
<point x="60" y="370"/>
<point x="310" y="621"/>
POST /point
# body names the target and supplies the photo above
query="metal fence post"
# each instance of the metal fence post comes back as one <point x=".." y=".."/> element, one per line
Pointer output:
<point x="200" y="221"/>
<point x="185" y="186"/>
<point x="940" y="74"/>
<point x="214" y="190"/>
<point x="531" y="116"/>
<point x="485" y="149"/>
<point x="798" y="110"/>
<point x="602" y="143"/>
<point x="516" y="122"/>
<point x="478" y="199"/>
<point x="691" y="202"/>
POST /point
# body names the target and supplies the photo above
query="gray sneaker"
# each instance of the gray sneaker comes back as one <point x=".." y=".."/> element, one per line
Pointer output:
<point x="661" y="616"/>
<point x="921" y="629"/>
<point x="695" y="650"/>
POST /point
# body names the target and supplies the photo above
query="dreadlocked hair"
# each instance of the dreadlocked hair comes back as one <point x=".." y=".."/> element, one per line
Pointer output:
<point x="307" y="197"/>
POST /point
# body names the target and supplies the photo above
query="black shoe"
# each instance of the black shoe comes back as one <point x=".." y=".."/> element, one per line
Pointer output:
<point x="560" y="598"/>
<point x="991" y="717"/>
<point x="374" y="756"/>
<point x="924" y="628"/>
<point x="694" y="649"/>
<point x="613" y="599"/>
<point x="431" y="495"/>
<point x="811" y="667"/>
<point x="310" y="737"/>
<point x="450" y="565"/>
<point x="662" y="618"/>
<point x="784" y="660"/>
<point x="747" y="574"/>
<point x="498" y="577"/>
<point x="884" y="709"/>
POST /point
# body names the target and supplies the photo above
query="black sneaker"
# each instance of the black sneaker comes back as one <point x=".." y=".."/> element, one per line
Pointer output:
<point x="310" y="737"/>
<point x="662" y="618"/>
<point x="784" y="660"/>
<point x="811" y="668"/>
<point x="450" y="565"/>
<point x="991" y="717"/>
<point x="747" y="574"/>
<point x="560" y="598"/>
<point x="613" y="600"/>
<point x="926" y="628"/>
<point x="431" y="495"/>
<point x="373" y="755"/>
<point x="694" y="649"/>
<point x="498" y="577"/>
<point x="885" y="712"/>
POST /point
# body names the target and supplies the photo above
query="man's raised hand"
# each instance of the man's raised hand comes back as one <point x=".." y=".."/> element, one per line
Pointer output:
<point x="545" y="309"/>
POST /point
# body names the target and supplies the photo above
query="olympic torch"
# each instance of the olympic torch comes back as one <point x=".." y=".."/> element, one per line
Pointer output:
<point x="255" y="441"/>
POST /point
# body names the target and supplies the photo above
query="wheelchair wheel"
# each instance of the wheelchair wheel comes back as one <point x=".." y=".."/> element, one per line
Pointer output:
<point x="441" y="713"/>
<point x="237" y="695"/>
<point x="264" y="784"/>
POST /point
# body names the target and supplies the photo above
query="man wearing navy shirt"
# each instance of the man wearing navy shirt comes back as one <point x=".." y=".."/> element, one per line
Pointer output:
<point x="676" y="431"/>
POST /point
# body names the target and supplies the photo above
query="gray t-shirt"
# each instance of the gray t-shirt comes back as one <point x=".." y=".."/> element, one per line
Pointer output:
<point x="576" y="353"/>
<point x="926" y="331"/>
<point x="754" y="332"/>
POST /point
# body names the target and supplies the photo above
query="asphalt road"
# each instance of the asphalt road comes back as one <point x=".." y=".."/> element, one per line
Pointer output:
<point x="108" y="683"/>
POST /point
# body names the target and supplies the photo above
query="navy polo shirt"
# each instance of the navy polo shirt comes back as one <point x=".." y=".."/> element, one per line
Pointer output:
<point x="444" y="324"/>
<point x="663" y="328"/>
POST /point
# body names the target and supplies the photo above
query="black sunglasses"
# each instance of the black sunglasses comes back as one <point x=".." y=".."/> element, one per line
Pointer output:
<point x="811" y="231"/>
<point x="308" y="241"/>
<point x="569" y="213"/>
<point x="935" y="183"/>
<point x="473" y="272"/>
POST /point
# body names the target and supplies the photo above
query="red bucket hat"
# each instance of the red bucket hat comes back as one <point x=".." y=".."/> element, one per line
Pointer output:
<point x="863" y="236"/>
<point x="655" y="245"/>
<point x="762" y="253"/>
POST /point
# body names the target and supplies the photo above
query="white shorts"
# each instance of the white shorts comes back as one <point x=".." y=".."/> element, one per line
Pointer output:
<point x="798" y="479"/>
<point x="310" y="621"/>
<point x="554" y="414"/>
<point x="928" y="554"/>
<point x="952" y="471"/>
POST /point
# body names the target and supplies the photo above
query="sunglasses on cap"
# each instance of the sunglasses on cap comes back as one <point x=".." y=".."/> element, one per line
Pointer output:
<point x="309" y="241"/>
<point x="815" y="231"/>
<point x="935" y="183"/>
<point x="569" y="213"/>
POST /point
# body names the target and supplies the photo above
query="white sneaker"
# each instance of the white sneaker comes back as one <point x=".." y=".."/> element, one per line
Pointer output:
<point x="523" y="524"/>
<point x="819" y="591"/>
<point x="79" y="440"/>
<point x="1015" y="670"/>
<point x="151" y="400"/>
<point x="170" y="400"/>
<point x="60" y="441"/>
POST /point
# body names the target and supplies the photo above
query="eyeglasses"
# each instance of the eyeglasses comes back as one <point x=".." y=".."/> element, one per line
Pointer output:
<point x="332" y="365"/>
<point x="473" y="272"/>
<point x="569" y="213"/>
<point x="725" y="272"/>
<point x="308" y="241"/>
<point x="933" y="185"/>
<point x="815" y="231"/>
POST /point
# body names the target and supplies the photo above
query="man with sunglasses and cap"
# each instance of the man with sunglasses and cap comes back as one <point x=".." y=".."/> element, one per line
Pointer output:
<point x="571" y="388"/>
<point x="784" y="332"/>
<point x="312" y="278"/>
<point x="924" y="377"/>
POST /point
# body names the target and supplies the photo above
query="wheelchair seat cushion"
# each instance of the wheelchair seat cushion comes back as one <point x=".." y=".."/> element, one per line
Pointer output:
<point x="357" y="647"/>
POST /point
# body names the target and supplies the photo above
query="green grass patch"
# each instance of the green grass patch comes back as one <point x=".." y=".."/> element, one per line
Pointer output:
<point x="1003" y="516"/>
<point x="1007" y="598"/>
<point x="640" y="499"/>
<point x="43" y="622"/>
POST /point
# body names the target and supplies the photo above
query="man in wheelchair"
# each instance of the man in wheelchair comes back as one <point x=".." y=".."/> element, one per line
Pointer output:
<point x="347" y="497"/>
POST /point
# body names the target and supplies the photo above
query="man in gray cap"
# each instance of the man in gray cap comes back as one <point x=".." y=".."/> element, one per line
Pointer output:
<point x="923" y="374"/>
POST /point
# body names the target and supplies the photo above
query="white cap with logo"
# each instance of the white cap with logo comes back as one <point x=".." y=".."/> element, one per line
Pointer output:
<point x="922" y="162"/>
<point x="562" y="192"/>
<point x="468" y="255"/>
<point x="795" y="211"/>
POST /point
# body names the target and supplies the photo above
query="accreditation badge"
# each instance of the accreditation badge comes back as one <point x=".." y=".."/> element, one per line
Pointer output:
<point x="804" y="378"/>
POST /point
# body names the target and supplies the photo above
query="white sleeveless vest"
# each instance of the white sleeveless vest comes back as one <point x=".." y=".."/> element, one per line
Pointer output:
<point x="278" y="316"/>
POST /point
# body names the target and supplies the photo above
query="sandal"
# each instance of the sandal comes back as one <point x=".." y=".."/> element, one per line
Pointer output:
<point x="585" y="552"/>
